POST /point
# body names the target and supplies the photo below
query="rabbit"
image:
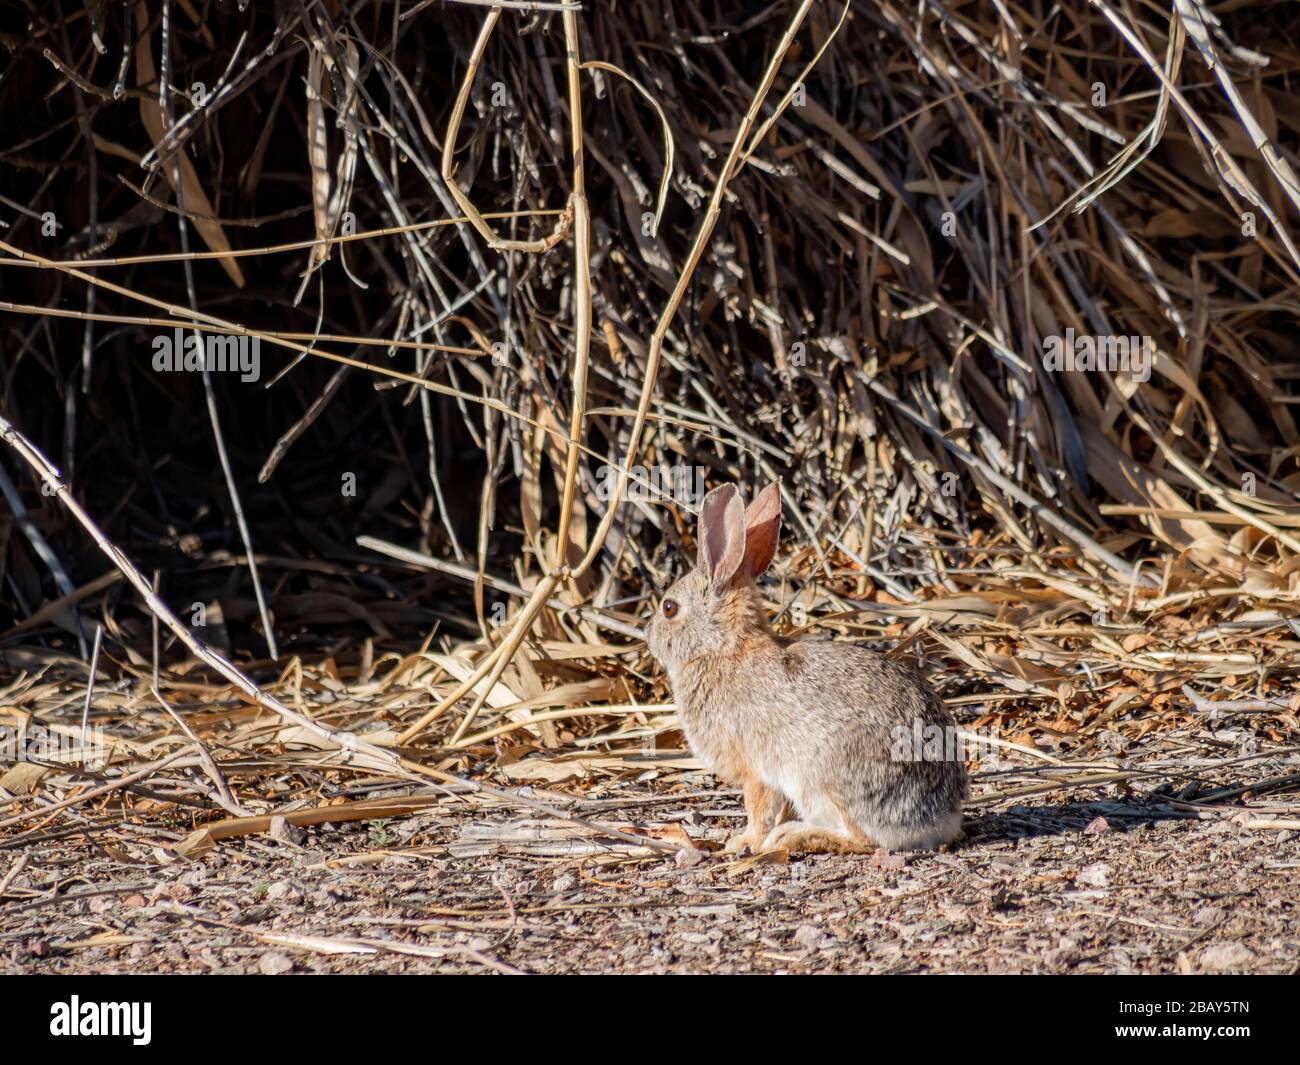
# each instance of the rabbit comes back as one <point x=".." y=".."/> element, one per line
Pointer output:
<point x="809" y="728"/>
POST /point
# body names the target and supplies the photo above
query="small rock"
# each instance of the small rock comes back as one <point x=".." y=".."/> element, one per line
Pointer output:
<point x="274" y="964"/>
<point x="808" y="936"/>
<point x="566" y="882"/>
<point x="1095" y="875"/>
<point x="688" y="857"/>
<point x="1207" y="915"/>
<point x="1065" y="953"/>
<point x="284" y="832"/>
<point x="1225" y="958"/>
<point x="1097" y="826"/>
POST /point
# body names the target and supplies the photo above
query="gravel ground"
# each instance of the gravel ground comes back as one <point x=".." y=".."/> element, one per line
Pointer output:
<point x="1119" y="884"/>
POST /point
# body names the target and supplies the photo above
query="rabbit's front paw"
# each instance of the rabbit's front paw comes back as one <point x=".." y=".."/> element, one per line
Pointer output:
<point x="741" y="841"/>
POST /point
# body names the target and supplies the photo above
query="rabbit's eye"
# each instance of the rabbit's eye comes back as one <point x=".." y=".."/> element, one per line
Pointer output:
<point x="669" y="608"/>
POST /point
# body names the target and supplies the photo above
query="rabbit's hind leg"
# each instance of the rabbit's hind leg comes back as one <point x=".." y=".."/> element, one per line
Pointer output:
<point x="801" y="837"/>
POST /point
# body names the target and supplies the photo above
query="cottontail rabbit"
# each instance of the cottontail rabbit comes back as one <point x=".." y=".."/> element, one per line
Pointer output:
<point x="822" y="728"/>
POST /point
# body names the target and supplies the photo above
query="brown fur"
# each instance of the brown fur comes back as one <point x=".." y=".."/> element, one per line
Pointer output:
<point x="808" y="725"/>
<point x="765" y="810"/>
<point x="796" y="837"/>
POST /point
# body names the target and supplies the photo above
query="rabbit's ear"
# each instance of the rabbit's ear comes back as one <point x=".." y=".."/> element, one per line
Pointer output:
<point x="721" y="535"/>
<point x="762" y="529"/>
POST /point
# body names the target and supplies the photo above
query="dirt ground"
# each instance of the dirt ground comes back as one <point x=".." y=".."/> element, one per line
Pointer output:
<point x="1112" y="881"/>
